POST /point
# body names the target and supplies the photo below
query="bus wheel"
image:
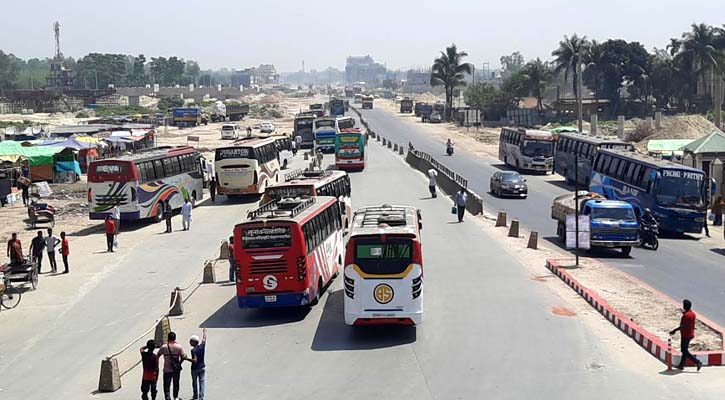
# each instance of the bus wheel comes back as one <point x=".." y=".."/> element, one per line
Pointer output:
<point x="159" y="213"/>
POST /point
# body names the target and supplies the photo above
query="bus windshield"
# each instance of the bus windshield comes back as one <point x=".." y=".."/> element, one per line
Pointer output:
<point x="304" y="123"/>
<point x="376" y="257"/>
<point x="680" y="189"/>
<point x="325" y="123"/>
<point x="616" y="214"/>
<point x="538" y="148"/>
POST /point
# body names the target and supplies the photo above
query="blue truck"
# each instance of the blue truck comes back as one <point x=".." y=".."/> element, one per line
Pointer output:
<point x="184" y="117"/>
<point x="612" y="223"/>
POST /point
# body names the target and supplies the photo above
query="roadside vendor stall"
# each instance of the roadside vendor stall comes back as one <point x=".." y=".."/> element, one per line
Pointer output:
<point x="42" y="160"/>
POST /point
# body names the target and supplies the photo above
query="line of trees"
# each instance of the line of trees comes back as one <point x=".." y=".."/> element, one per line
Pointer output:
<point x="100" y="70"/>
<point x="686" y="76"/>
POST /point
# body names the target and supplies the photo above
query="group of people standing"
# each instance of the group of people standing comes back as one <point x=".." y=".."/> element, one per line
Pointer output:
<point x="174" y="356"/>
<point x="185" y="215"/>
<point x="39" y="245"/>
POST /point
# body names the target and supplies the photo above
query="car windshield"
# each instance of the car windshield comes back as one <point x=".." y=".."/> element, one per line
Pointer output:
<point x="680" y="189"/>
<point x="540" y="148"/>
<point x="616" y="214"/>
<point x="512" y="177"/>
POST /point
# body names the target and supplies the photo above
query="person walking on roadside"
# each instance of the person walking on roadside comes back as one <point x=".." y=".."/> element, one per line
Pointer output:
<point x="432" y="175"/>
<point x="460" y="200"/>
<point x="64" y="251"/>
<point x="298" y="141"/>
<point x="173" y="355"/>
<point x="212" y="189"/>
<point x="232" y="265"/>
<point x="186" y="215"/>
<point x="15" y="250"/>
<point x="198" y="373"/>
<point x="168" y="213"/>
<point x="687" y="333"/>
<point x="717" y="209"/>
<point x="25" y="188"/>
<point x="51" y="241"/>
<point x="293" y="143"/>
<point x="110" y="228"/>
<point x="36" y="249"/>
<point x="150" y="376"/>
<point x="116" y="214"/>
<point x="249" y="131"/>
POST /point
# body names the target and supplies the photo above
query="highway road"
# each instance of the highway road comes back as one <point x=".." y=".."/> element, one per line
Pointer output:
<point x="487" y="333"/>
<point x="681" y="267"/>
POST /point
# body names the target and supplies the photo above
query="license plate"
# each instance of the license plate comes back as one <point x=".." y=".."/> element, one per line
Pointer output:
<point x="270" y="299"/>
<point x="349" y="161"/>
<point x="383" y="315"/>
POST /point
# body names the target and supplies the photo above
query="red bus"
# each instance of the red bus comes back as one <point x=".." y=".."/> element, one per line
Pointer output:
<point x="288" y="251"/>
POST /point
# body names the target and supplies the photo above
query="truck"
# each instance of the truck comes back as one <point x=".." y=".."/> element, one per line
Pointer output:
<point x="418" y="106"/>
<point x="318" y="109"/>
<point x="218" y="112"/>
<point x="425" y="111"/>
<point x="406" y="105"/>
<point x="612" y="223"/>
<point x="357" y="89"/>
<point x="236" y="111"/>
<point x="184" y="117"/>
<point x="357" y="99"/>
<point x="367" y="102"/>
<point x="348" y="91"/>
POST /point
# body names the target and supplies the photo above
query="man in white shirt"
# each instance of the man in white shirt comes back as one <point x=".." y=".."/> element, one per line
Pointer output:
<point x="51" y="241"/>
<point x="186" y="215"/>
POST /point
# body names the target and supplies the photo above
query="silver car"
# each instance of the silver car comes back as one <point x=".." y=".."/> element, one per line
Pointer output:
<point x="509" y="183"/>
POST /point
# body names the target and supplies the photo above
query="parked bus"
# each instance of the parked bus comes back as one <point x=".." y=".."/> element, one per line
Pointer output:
<point x="572" y="145"/>
<point x="139" y="183"/>
<point x="527" y="150"/>
<point x="350" y="149"/>
<point x="315" y="183"/>
<point x="247" y="167"/>
<point x="325" y="131"/>
<point x="303" y="127"/>
<point x="383" y="276"/>
<point x="287" y="252"/>
<point x="676" y="194"/>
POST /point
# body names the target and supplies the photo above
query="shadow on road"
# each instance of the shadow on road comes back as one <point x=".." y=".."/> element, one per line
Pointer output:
<point x="333" y="334"/>
<point x="560" y="183"/>
<point x="602" y="252"/>
<point x="718" y="251"/>
<point x="231" y="316"/>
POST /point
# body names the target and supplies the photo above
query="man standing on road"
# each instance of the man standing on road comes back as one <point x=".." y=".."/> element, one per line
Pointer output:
<point x="36" y="249"/>
<point x="150" y="376"/>
<point x="298" y="141"/>
<point x="212" y="189"/>
<point x="293" y="143"/>
<point x="110" y="228"/>
<point x="51" y="241"/>
<point x="232" y="266"/>
<point x="198" y="373"/>
<point x="249" y="131"/>
<point x="460" y="200"/>
<point x="173" y="357"/>
<point x="186" y="215"/>
<point x="432" y="175"/>
<point x="687" y="333"/>
<point x="25" y="188"/>
<point x="15" y="250"/>
<point x="64" y="251"/>
<point x="168" y="213"/>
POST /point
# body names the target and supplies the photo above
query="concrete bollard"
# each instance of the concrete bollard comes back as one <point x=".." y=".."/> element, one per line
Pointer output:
<point x="390" y="144"/>
<point x="501" y="219"/>
<point x="514" y="229"/>
<point x="533" y="240"/>
<point x="401" y="151"/>
<point x="395" y="147"/>
<point x="176" y="303"/>
<point x="110" y="379"/>
<point x="224" y="250"/>
<point x="162" y="332"/>
<point x="209" y="273"/>
<point x="307" y="156"/>
<point x="377" y="138"/>
<point x="384" y="142"/>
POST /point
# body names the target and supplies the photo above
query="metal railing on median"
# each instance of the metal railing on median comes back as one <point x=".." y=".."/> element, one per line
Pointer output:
<point x="463" y="182"/>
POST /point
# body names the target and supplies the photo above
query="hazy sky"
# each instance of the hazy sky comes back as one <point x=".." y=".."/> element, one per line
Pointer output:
<point x="241" y="33"/>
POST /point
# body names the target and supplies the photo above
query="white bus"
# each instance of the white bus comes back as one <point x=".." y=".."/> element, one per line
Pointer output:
<point x="383" y="279"/>
<point x="527" y="150"/>
<point x="247" y="167"/>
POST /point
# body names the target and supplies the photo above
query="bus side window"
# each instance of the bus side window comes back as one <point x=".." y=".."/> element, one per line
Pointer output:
<point x="159" y="169"/>
<point x="629" y="174"/>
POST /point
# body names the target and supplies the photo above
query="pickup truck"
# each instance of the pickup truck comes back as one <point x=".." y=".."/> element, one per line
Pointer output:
<point x="612" y="223"/>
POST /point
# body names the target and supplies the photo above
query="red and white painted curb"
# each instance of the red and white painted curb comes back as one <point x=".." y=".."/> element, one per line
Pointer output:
<point x="645" y="339"/>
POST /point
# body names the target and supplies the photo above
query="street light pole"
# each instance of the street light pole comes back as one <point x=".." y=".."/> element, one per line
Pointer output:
<point x="579" y="91"/>
<point x="576" y="207"/>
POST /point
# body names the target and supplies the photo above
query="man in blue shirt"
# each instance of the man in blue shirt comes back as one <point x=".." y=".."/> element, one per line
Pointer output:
<point x="197" y="365"/>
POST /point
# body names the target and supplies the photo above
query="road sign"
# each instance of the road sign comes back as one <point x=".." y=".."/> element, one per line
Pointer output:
<point x="583" y="232"/>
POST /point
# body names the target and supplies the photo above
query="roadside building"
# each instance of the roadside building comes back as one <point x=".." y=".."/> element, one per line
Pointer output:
<point x="708" y="154"/>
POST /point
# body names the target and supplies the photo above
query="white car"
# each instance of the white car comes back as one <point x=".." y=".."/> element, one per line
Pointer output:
<point x="266" y="127"/>
<point x="231" y="131"/>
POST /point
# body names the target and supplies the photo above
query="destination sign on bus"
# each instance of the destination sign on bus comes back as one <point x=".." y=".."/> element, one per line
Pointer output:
<point x="232" y="152"/>
<point x="288" y="191"/>
<point x="348" y="139"/>
<point x="110" y="169"/>
<point x="384" y="251"/>
<point x="274" y="236"/>
<point x="674" y="173"/>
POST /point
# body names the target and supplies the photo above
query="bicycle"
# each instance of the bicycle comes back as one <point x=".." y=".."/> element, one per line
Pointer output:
<point x="9" y="295"/>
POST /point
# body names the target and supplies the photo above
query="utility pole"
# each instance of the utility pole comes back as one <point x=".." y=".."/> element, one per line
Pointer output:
<point x="579" y="98"/>
<point x="576" y="204"/>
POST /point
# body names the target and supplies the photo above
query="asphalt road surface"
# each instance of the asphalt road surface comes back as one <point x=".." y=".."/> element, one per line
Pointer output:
<point x="681" y="267"/>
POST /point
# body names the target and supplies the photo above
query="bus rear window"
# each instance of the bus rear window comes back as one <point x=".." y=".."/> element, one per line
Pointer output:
<point x="266" y="237"/>
<point x="383" y="258"/>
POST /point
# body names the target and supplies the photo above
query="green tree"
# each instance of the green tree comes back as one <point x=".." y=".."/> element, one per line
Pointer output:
<point x="105" y="69"/>
<point x="137" y="77"/>
<point x="700" y="48"/>
<point x="511" y="64"/>
<point x="449" y="71"/>
<point x="192" y="70"/>
<point x="8" y="71"/>
<point x="536" y="74"/>
<point x="569" y="54"/>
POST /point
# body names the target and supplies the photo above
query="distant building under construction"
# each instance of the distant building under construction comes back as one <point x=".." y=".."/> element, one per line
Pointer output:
<point x="364" y="69"/>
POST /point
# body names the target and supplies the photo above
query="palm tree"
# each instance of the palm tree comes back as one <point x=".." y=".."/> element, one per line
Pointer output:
<point x="449" y="71"/>
<point x="570" y="53"/>
<point x="700" y="47"/>
<point x="536" y="74"/>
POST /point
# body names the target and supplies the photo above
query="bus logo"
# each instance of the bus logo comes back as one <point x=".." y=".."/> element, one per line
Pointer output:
<point x="383" y="293"/>
<point x="270" y="282"/>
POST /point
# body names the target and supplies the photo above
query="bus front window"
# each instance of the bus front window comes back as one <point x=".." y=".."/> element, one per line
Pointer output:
<point x="680" y="192"/>
<point x="538" y="148"/>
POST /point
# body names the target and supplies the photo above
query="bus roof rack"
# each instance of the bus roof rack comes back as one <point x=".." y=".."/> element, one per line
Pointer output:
<point x="292" y="174"/>
<point x="316" y="173"/>
<point x="284" y="207"/>
<point x="384" y="214"/>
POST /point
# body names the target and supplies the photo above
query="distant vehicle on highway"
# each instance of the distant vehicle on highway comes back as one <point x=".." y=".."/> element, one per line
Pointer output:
<point x="367" y="102"/>
<point x="357" y="99"/>
<point x="318" y="109"/>
<point x="303" y="127"/>
<point x="527" y="150"/>
<point x="231" y="131"/>
<point x="337" y="107"/>
<point x="325" y="129"/>
<point x="266" y="127"/>
<point x="508" y="183"/>
<point x="284" y="148"/>
<point x="383" y="276"/>
<point x="406" y="105"/>
<point x="435" y="117"/>
<point x="571" y="147"/>
<point x="350" y="149"/>
<point x="677" y="195"/>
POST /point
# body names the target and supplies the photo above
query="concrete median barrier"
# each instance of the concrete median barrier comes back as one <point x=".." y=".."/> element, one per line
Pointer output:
<point x="395" y="147"/>
<point x="385" y="142"/>
<point x="176" y="303"/>
<point x="514" y="228"/>
<point x="501" y="219"/>
<point x="390" y="144"/>
<point x="209" y="275"/>
<point x="224" y="250"/>
<point x="110" y="379"/>
<point x="161" y="332"/>
<point x="401" y="150"/>
<point x="533" y="240"/>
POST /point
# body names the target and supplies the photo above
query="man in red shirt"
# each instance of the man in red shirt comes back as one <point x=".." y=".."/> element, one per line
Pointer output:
<point x="687" y="333"/>
<point x="64" y="251"/>
<point x="110" y="232"/>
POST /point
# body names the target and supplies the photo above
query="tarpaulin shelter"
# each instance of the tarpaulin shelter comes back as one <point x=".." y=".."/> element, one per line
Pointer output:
<point x="87" y="152"/>
<point x="41" y="159"/>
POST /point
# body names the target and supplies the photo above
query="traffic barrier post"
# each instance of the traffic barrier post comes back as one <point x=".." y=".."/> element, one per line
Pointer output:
<point x="209" y="276"/>
<point x="110" y="379"/>
<point x="224" y="250"/>
<point x="669" y="353"/>
<point x="401" y="151"/>
<point x="161" y="333"/>
<point x="501" y="219"/>
<point x="395" y="147"/>
<point x="385" y="142"/>
<point x="514" y="228"/>
<point x="390" y="144"/>
<point x="176" y="303"/>
<point x="533" y="240"/>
